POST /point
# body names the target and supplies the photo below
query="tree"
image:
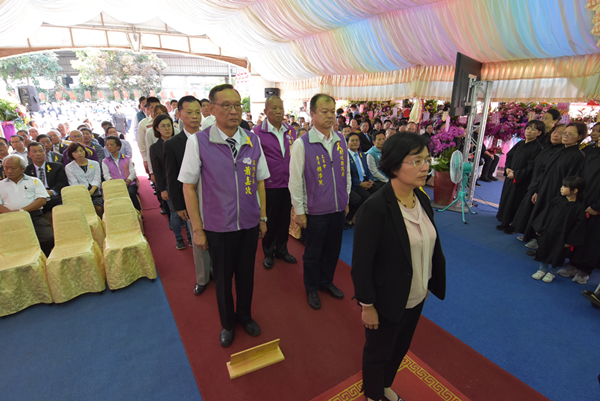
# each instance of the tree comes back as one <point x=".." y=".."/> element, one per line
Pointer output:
<point x="120" y="70"/>
<point x="32" y="66"/>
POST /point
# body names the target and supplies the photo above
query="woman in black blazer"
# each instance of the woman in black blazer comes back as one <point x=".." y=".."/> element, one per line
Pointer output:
<point x="396" y="261"/>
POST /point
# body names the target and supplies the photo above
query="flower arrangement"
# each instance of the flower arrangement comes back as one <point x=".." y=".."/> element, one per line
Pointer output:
<point x="380" y="110"/>
<point x="10" y="111"/>
<point x="442" y="145"/>
<point x="513" y="117"/>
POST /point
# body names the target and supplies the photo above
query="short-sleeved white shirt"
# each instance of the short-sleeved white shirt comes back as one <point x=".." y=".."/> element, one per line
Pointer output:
<point x="17" y="196"/>
<point x="191" y="164"/>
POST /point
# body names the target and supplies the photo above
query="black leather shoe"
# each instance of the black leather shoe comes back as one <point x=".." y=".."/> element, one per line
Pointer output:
<point x="163" y="210"/>
<point x="199" y="289"/>
<point x="531" y="252"/>
<point x="313" y="300"/>
<point x="493" y="178"/>
<point x="287" y="258"/>
<point x="252" y="328"/>
<point x="226" y="337"/>
<point x="334" y="291"/>
<point x="268" y="262"/>
<point x="591" y="296"/>
<point x="509" y="230"/>
<point x="484" y="179"/>
<point x="501" y="227"/>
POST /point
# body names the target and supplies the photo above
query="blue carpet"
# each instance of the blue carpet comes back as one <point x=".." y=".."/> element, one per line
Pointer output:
<point x="543" y="334"/>
<point x="116" y="346"/>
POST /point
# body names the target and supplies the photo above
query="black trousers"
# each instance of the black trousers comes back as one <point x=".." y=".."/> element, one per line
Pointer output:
<point x="357" y="197"/>
<point x="133" y="190"/>
<point x="233" y="255"/>
<point x="322" y="251"/>
<point x="489" y="166"/>
<point x="279" y="208"/>
<point x="384" y="350"/>
<point x="43" y="230"/>
<point x="54" y="200"/>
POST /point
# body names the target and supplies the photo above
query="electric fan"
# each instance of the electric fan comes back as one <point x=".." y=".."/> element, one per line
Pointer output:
<point x="459" y="174"/>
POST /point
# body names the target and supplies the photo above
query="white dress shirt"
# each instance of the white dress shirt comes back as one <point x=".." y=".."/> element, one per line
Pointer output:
<point x="357" y="160"/>
<point x="21" y="155"/>
<point x="141" y="136"/>
<point x="297" y="185"/>
<point x="279" y="133"/>
<point x="150" y="140"/>
<point x="17" y="196"/>
<point x="207" y="122"/>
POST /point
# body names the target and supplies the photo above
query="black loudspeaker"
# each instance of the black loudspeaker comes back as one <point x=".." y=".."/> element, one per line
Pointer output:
<point x="271" y="92"/>
<point x="29" y="98"/>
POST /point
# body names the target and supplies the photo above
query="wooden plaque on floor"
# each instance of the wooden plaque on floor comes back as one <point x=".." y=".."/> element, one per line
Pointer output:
<point x="254" y="358"/>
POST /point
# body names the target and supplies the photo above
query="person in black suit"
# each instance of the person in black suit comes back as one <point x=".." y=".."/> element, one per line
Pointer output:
<point x="173" y="150"/>
<point x="365" y="138"/>
<point x="51" y="155"/>
<point x="51" y="174"/>
<point x="396" y="261"/>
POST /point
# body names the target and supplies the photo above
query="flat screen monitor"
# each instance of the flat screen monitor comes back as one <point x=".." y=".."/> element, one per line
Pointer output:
<point x="460" y="102"/>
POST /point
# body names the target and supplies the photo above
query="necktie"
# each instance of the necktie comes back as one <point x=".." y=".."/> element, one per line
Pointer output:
<point x="42" y="175"/>
<point x="359" y="167"/>
<point x="232" y="144"/>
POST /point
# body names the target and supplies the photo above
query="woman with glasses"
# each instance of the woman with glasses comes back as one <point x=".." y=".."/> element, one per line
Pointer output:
<point x="567" y="162"/>
<point x="396" y="261"/>
<point x="162" y="129"/>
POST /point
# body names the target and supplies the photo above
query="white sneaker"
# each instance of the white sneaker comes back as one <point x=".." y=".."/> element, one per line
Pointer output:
<point x="548" y="278"/>
<point x="538" y="275"/>
<point x="568" y="271"/>
<point x="581" y="277"/>
<point x="532" y="244"/>
<point x="520" y="238"/>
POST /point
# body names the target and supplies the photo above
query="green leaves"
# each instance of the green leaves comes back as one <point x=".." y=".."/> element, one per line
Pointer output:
<point x="120" y="70"/>
<point x="32" y="66"/>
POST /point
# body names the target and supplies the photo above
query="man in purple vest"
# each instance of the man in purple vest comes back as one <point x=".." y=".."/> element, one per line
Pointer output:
<point x="319" y="186"/>
<point x="276" y="139"/>
<point x="223" y="173"/>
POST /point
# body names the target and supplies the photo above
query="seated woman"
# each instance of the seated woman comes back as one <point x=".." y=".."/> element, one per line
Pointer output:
<point x="125" y="146"/>
<point x="118" y="166"/>
<point x="82" y="171"/>
<point x="162" y="128"/>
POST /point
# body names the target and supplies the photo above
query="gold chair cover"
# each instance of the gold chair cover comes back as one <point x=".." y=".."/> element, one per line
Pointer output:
<point x="138" y="213"/>
<point x="79" y="194"/>
<point x="75" y="265"/>
<point x="114" y="189"/>
<point x="127" y="254"/>
<point x="23" y="280"/>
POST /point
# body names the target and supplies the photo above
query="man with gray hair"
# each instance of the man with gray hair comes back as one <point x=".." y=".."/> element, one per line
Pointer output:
<point x="20" y="192"/>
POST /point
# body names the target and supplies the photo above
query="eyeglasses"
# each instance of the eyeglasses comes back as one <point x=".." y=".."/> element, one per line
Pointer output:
<point x="418" y="163"/>
<point x="227" y="106"/>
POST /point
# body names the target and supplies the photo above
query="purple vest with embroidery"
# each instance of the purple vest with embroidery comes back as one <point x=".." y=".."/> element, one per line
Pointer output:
<point x="229" y="200"/>
<point x="279" y="165"/>
<point x="326" y="180"/>
<point x="120" y="172"/>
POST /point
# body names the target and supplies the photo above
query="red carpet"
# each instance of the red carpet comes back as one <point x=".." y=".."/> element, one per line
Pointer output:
<point x="322" y="348"/>
<point x="415" y="381"/>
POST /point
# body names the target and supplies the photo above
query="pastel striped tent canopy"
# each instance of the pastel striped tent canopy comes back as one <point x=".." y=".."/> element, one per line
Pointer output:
<point x="372" y="49"/>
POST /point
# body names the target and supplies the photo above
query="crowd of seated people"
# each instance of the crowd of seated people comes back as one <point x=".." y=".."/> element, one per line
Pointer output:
<point x="34" y="168"/>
